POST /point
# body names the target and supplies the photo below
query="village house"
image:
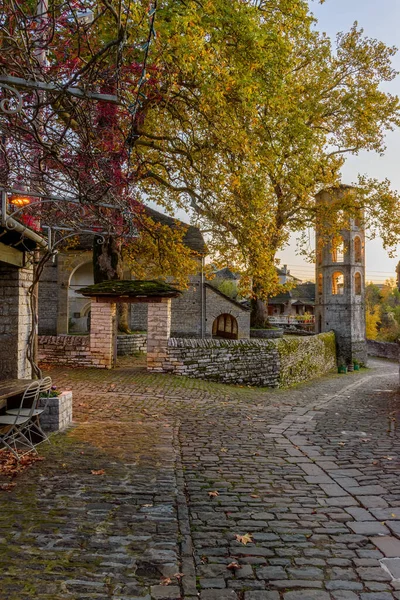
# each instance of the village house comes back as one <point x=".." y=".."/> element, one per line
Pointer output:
<point x="201" y="311"/>
<point x="297" y="302"/>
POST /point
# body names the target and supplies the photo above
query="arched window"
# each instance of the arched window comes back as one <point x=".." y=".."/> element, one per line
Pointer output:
<point x="357" y="284"/>
<point x="337" y="283"/>
<point x="320" y="283"/>
<point x="225" y="326"/>
<point x="358" y="250"/>
<point x="337" y="249"/>
<point x="319" y="253"/>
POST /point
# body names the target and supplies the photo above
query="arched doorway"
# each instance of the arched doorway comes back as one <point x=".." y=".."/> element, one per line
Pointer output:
<point x="225" y="326"/>
<point x="79" y="307"/>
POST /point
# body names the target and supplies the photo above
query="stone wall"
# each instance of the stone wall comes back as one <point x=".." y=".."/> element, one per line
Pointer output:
<point x="68" y="350"/>
<point x="48" y="300"/>
<point x="270" y="363"/>
<point x="266" y="334"/>
<point x="186" y="310"/>
<point x="383" y="349"/>
<point x="252" y="362"/>
<point x="131" y="344"/>
<point x="303" y="358"/>
<point x="15" y="321"/>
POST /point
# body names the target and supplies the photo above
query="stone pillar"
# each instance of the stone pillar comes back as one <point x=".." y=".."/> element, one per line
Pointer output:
<point x="103" y="338"/>
<point x="15" y="322"/>
<point x="158" y="333"/>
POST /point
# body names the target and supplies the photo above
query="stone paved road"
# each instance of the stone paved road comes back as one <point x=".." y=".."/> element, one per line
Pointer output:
<point x="311" y="476"/>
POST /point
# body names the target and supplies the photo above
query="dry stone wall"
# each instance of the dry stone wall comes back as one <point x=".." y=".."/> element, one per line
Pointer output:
<point x="383" y="349"/>
<point x="131" y="344"/>
<point x="68" y="350"/>
<point x="269" y="363"/>
<point x="303" y="358"/>
<point x="228" y="361"/>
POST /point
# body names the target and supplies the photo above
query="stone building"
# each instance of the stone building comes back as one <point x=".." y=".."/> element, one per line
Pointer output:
<point x="340" y="280"/>
<point x="198" y="312"/>
<point x="16" y="275"/>
<point x="298" y="301"/>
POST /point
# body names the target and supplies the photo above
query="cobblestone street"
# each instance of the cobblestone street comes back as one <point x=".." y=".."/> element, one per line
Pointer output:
<point x="170" y="487"/>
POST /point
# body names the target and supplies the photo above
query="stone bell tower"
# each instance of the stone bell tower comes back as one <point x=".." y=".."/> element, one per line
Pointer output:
<point x="340" y="286"/>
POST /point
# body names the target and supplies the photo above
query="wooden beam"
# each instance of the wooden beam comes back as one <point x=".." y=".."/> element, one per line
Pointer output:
<point x="11" y="256"/>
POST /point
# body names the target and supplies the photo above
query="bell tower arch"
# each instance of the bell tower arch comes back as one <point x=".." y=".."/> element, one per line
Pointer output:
<point x="340" y="277"/>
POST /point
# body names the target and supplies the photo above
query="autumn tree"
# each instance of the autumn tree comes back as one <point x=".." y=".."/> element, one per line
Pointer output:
<point x="236" y="111"/>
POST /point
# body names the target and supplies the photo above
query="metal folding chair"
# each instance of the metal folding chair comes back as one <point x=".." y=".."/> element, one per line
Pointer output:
<point x="33" y="426"/>
<point x="13" y="426"/>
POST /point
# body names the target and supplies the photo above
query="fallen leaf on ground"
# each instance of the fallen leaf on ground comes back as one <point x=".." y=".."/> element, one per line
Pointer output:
<point x="213" y="494"/>
<point x="7" y="487"/>
<point x="165" y="581"/>
<point x="388" y="457"/>
<point x="254" y="496"/>
<point x="233" y="566"/>
<point x="99" y="472"/>
<point x="178" y="576"/>
<point x="224" y="450"/>
<point x="244" y="539"/>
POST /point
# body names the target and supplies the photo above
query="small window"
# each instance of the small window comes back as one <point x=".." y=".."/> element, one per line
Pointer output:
<point x="358" y="250"/>
<point x="320" y="283"/>
<point x="338" y="283"/>
<point x="357" y="284"/>
<point x="338" y="250"/>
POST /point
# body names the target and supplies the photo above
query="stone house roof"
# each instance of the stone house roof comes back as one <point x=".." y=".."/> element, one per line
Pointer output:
<point x="226" y="273"/>
<point x="303" y="293"/>
<point x="193" y="237"/>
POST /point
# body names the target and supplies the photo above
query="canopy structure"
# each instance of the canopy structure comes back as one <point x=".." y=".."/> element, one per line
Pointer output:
<point x="130" y="291"/>
<point x="104" y="298"/>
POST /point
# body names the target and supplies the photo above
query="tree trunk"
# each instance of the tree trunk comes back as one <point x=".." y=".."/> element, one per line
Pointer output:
<point x="123" y="317"/>
<point x="107" y="266"/>
<point x="259" y="313"/>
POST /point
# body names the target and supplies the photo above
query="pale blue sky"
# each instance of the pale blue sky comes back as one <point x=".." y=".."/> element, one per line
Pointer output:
<point x="380" y="20"/>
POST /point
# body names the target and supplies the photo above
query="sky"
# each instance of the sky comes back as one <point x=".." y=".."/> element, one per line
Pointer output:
<point x="380" y="20"/>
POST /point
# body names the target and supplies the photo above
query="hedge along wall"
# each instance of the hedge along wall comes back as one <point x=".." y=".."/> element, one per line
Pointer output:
<point x="303" y="358"/>
<point x="269" y="363"/>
